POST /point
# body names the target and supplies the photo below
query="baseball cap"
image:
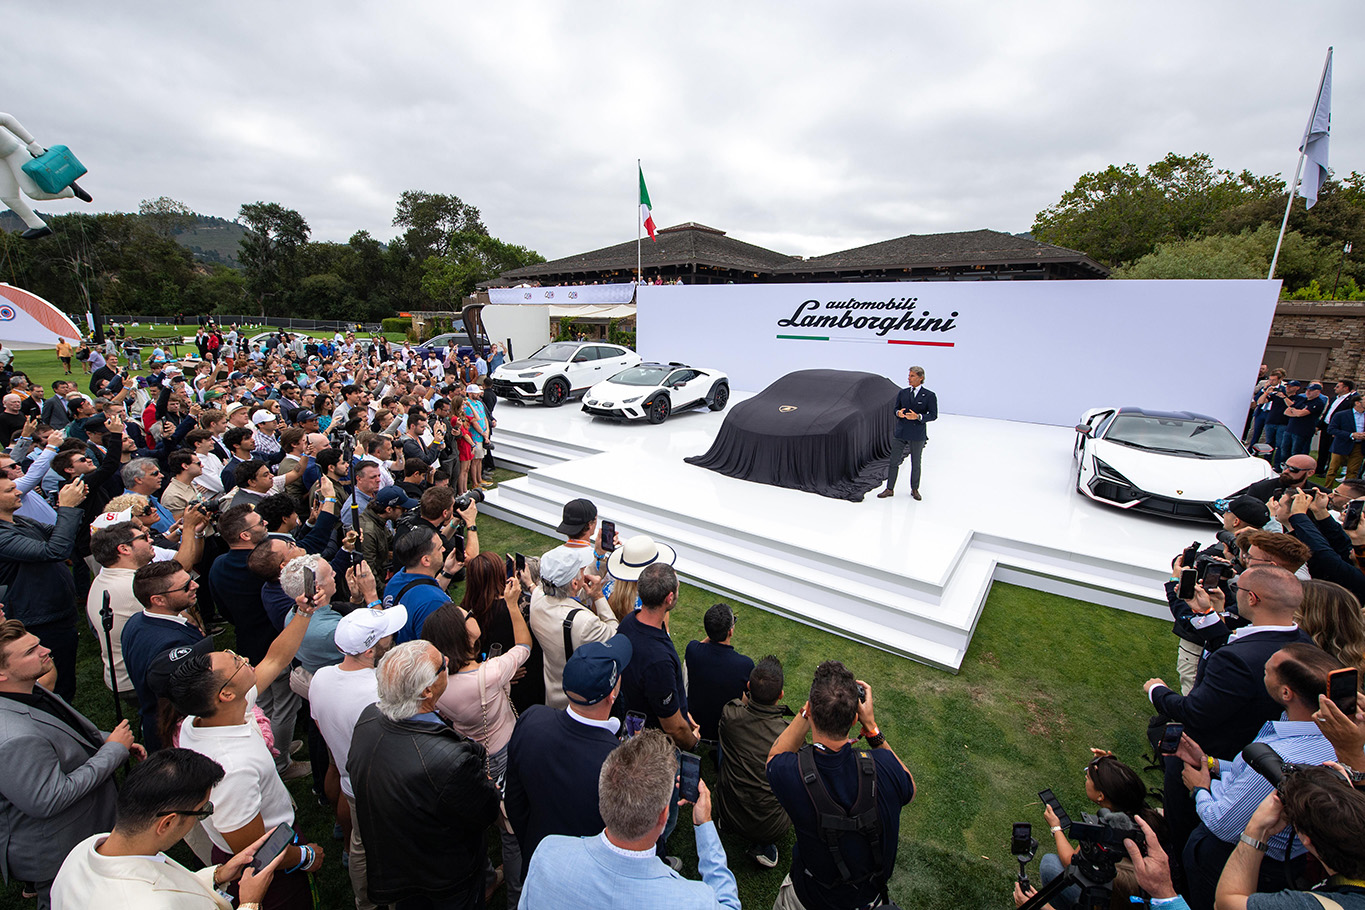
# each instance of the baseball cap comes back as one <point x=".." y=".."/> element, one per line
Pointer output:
<point x="105" y="519"/>
<point x="1250" y="510"/>
<point x="1315" y="385"/>
<point x="578" y="514"/>
<point x="96" y="423"/>
<point x="1293" y="382"/>
<point x="561" y="565"/>
<point x="394" y="496"/>
<point x="591" y="672"/>
<point x="262" y="416"/>
<point x="163" y="665"/>
<point x="304" y="416"/>
<point x="360" y="630"/>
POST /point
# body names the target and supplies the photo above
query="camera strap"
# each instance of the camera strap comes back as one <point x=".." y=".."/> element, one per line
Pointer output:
<point x="422" y="580"/>
<point x="834" y="821"/>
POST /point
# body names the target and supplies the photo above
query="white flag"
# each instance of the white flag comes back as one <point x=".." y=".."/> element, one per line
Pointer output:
<point x="1315" y="139"/>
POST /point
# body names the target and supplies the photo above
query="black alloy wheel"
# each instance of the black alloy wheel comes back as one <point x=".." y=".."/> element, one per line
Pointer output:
<point x="556" y="392"/>
<point x="659" y="411"/>
<point x="720" y="397"/>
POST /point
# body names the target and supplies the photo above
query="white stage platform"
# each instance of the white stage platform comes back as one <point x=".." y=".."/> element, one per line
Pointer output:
<point x="909" y="577"/>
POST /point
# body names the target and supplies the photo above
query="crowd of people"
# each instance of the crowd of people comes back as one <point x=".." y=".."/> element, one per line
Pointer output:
<point x="442" y="699"/>
<point x="321" y="500"/>
<point x="1263" y="619"/>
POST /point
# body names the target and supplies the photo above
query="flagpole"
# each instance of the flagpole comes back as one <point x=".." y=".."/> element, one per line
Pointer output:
<point x="638" y="227"/>
<point x="1298" y="171"/>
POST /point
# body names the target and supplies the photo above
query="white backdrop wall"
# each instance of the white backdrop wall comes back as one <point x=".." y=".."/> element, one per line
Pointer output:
<point x="1036" y="351"/>
<point x="526" y="327"/>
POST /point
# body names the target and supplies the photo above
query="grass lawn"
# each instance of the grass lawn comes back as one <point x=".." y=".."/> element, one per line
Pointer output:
<point x="1045" y="679"/>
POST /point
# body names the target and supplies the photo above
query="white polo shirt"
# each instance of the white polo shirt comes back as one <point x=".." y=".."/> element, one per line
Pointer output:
<point x="250" y="786"/>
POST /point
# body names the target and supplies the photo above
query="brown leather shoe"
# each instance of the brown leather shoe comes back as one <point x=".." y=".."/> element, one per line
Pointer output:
<point x="914" y="494"/>
<point x="886" y="494"/>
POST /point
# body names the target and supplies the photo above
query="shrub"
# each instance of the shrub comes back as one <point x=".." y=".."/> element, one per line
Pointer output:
<point x="397" y="324"/>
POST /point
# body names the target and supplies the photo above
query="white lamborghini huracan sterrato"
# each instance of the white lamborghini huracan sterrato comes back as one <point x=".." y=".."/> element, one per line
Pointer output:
<point x="1171" y="463"/>
<point x="655" y="390"/>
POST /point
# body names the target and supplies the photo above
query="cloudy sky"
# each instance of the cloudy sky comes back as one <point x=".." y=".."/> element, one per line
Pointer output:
<point x="804" y="127"/>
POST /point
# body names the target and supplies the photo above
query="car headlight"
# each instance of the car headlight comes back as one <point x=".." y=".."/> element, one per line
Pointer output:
<point x="1109" y="473"/>
<point x="632" y="400"/>
<point x="530" y="375"/>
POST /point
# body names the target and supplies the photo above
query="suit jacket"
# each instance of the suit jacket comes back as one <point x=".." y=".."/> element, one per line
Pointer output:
<point x="88" y="879"/>
<point x="925" y="404"/>
<point x="56" y="788"/>
<point x="1229" y="704"/>
<point x="1342" y="426"/>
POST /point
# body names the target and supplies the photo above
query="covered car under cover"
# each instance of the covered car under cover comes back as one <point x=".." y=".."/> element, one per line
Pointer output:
<point x="821" y="431"/>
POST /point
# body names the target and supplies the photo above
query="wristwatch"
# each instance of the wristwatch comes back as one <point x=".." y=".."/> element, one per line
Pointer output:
<point x="446" y="574"/>
<point x="471" y="527"/>
<point x="1252" y="842"/>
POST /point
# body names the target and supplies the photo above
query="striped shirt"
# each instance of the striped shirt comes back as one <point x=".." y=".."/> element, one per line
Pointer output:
<point x="1228" y="806"/>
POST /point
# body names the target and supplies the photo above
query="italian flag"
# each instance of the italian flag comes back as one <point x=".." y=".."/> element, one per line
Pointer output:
<point x="646" y="210"/>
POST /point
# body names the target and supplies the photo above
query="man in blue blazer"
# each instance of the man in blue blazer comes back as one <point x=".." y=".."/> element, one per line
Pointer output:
<point x="915" y="406"/>
<point x="1229" y="703"/>
<point x="1347" y="429"/>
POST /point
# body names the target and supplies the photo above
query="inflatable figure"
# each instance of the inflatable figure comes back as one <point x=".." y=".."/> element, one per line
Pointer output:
<point x="17" y="148"/>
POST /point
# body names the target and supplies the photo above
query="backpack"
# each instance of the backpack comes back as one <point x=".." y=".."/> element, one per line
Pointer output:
<point x="834" y="821"/>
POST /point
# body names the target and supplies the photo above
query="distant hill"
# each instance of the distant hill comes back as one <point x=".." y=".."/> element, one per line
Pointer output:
<point x="212" y="240"/>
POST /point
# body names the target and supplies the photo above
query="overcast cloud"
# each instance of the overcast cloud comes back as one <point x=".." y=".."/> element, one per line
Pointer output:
<point x="803" y="127"/>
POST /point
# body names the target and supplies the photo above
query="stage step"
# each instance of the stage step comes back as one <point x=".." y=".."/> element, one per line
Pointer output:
<point x="927" y="619"/>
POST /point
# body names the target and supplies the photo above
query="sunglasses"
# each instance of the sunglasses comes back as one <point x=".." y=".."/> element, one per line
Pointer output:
<point x="184" y="589"/>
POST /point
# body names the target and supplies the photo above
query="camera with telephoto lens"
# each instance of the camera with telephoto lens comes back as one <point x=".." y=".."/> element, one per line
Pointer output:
<point x="1266" y="762"/>
<point x="212" y="505"/>
<point x="1094" y="863"/>
<point x="464" y="499"/>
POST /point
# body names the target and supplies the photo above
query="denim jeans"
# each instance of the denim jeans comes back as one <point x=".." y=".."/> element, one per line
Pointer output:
<point x="1273" y="434"/>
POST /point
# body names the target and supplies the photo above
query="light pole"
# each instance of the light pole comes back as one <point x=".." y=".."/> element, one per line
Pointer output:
<point x="1344" y="250"/>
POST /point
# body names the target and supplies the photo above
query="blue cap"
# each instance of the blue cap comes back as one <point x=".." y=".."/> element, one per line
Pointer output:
<point x="394" y="496"/>
<point x="591" y="673"/>
<point x="1315" y="385"/>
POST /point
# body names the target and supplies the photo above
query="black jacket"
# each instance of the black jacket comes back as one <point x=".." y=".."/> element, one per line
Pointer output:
<point x="1229" y="703"/>
<point x="423" y="799"/>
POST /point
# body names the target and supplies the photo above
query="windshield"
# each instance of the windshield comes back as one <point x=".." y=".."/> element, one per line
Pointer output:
<point x="557" y="350"/>
<point x="1175" y="436"/>
<point x="641" y="376"/>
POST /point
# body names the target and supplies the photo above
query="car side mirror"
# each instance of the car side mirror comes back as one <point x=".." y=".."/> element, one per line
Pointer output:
<point x="1261" y="448"/>
<point x="1084" y="429"/>
<point x="580" y="359"/>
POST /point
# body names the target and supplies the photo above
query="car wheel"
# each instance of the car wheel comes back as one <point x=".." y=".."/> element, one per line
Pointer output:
<point x="556" y="391"/>
<point x="659" y="411"/>
<point x="720" y="397"/>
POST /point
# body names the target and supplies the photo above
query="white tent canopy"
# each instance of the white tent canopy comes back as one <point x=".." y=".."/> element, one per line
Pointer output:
<point x="592" y="311"/>
<point x="30" y="323"/>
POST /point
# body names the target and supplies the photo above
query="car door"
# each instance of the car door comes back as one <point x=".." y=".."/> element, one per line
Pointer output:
<point x="685" y="388"/>
<point x="584" y="368"/>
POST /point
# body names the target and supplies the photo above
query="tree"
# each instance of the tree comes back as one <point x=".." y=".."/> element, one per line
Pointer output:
<point x="432" y="218"/>
<point x="270" y="249"/>
<point x="1303" y="260"/>
<point x="1120" y="214"/>
<point x="471" y="258"/>
<point x="166" y="216"/>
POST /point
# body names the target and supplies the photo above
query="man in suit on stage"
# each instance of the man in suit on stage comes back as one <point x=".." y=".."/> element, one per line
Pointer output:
<point x="915" y="406"/>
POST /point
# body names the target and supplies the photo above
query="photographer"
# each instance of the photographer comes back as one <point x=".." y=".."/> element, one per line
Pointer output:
<point x="1109" y="784"/>
<point x="1328" y="816"/>
<point x="1200" y="623"/>
<point x="1229" y="703"/>
<point x="1278" y="397"/>
<point x="853" y="873"/>
<point x="1226" y="792"/>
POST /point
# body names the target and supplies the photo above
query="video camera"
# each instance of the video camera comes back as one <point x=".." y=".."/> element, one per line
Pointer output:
<point x="1213" y="571"/>
<point x="1093" y="865"/>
